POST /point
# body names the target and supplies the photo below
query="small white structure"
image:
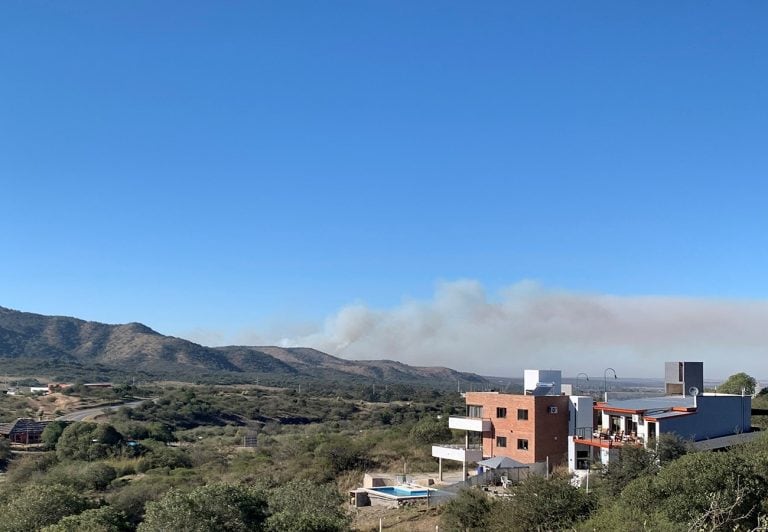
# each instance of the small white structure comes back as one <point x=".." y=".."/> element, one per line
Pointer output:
<point x="542" y="382"/>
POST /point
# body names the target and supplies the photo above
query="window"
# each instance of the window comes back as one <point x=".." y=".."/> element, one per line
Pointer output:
<point x="522" y="444"/>
<point x="501" y="412"/>
<point x="552" y="410"/>
<point x="474" y="411"/>
<point x="522" y="414"/>
<point x="501" y="441"/>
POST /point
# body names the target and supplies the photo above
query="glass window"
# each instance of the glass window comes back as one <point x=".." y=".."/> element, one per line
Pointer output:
<point x="522" y="414"/>
<point x="501" y="441"/>
<point x="501" y="412"/>
<point x="522" y="444"/>
<point x="474" y="411"/>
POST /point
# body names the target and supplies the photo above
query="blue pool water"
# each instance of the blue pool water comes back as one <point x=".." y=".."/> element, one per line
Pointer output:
<point x="401" y="491"/>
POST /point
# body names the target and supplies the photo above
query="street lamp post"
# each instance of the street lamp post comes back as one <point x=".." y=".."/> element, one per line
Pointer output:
<point x="605" y="381"/>
<point x="577" y="379"/>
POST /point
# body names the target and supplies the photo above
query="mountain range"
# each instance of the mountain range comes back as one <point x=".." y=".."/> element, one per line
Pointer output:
<point x="39" y="342"/>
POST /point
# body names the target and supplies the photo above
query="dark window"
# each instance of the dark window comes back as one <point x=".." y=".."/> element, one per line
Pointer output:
<point x="474" y="411"/>
<point x="522" y="414"/>
<point x="522" y="444"/>
<point x="501" y="441"/>
<point x="501" y="412"/>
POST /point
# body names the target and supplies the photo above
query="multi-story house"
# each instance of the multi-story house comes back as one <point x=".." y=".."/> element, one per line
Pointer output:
<point x="531" y="429"/>
<point x="708" y="420"/>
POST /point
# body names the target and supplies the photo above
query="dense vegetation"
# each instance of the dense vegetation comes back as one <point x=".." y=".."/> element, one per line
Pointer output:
<point x="176" y="462"/>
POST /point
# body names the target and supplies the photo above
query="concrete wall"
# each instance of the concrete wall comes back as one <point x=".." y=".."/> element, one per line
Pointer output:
<point x="692" y="375"/>
<point x="581" y="416"/>
<point x="716" y="415"/>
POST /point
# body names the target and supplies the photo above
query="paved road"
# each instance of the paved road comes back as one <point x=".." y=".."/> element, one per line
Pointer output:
<point x="82" y="415"/>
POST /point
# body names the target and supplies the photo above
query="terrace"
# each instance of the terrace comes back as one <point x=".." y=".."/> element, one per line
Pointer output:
<point x="606" y="440"/>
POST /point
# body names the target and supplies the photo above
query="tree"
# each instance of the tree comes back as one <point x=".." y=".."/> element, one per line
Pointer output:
<point x="302" y="506"/>
<point x="133" y="498"/>
<point x="38" y="505"/>
<point x="5" y="452"/>
<point x="161" y="456"/>
<point x="88" y="441"/>
<point x="618" y="514"/>
<point x="431" y="430"/>
<point x="83" y="476"/>
<point x="104" y="519"/>
<point x="339" y="454"/>
<point x="706" y="490"/>
<point x="669" y="447"/>
<point x="211" y="508"/>
<point x="538" y="503"/>
<point x="632" y="462"/>
<point x="52" y="433"/>
<point x="469" y="510"/>
<point x="738" y="382"/>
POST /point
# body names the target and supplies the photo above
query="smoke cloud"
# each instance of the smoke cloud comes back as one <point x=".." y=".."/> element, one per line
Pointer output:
<point x="529" y="326"/>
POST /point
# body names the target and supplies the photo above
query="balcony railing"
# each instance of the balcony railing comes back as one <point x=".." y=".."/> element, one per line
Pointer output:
<point x="449" y="451"/>
<point x="476" y="424"/>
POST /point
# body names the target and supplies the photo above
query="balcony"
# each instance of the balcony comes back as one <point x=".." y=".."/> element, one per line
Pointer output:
<point x="458" y="452"/>
<point x="475" y="424"/>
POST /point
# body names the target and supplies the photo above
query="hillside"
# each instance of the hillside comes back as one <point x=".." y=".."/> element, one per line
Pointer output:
<point x="38" y="342"/>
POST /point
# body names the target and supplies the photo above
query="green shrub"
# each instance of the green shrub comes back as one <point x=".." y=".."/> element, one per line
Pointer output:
<point x="88" y="441"/>
<point x="538" y="503"/>
<point x="212" y="508"/>
<point x="469" y="510"/>
<point x="160" y="456"/>
<point x="36" y="506"/>
<point x="104" y="519"/>
<point x="83" y="475"/>
<point x="301" y="506"/>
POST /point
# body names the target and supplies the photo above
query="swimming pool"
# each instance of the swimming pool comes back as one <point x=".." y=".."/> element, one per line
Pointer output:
<point x="402" y="491"/>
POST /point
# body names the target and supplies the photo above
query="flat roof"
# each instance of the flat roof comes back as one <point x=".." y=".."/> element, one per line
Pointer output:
<point x="644" y="404"/>
<point x="664" y="415"/>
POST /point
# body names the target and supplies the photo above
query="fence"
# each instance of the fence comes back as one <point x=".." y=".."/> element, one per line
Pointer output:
<point x="491" y="477"/>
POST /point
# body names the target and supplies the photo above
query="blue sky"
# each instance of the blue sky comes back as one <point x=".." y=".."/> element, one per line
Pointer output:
<point x="247" y="165"/>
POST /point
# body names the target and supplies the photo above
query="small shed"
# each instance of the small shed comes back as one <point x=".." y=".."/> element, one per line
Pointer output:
<point x="23" y="430"/>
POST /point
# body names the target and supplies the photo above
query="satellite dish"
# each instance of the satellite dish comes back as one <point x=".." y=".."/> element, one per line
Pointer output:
<point x="693" y="390"/>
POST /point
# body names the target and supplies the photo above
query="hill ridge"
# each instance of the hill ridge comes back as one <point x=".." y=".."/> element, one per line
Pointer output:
<point x="39" y="340"/>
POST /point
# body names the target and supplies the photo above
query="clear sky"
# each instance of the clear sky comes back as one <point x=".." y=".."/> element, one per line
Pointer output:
<point x="214" y="168"/>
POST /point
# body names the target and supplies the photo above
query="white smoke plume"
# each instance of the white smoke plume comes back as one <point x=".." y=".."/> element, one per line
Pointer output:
<point x="527" y="326"/>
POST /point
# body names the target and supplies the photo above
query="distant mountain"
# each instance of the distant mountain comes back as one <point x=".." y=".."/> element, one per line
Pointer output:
<point x="38" y="341"/>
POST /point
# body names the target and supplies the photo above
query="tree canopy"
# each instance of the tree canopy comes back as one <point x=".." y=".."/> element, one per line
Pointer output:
<point x="738" y="382"/>
<point x="87" y="441"/>
<point x="302" y="506"/>
<point x="469" y="510"/>
<point x="211" y="508"/>
<point x="36" y="506"/>
<point x="104" y="519"/>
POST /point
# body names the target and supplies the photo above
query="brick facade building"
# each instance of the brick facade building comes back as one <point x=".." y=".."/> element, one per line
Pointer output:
<point x="526" y="428"/>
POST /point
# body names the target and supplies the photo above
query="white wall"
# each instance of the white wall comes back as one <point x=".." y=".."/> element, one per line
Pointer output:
<point x="532" y="377"/>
